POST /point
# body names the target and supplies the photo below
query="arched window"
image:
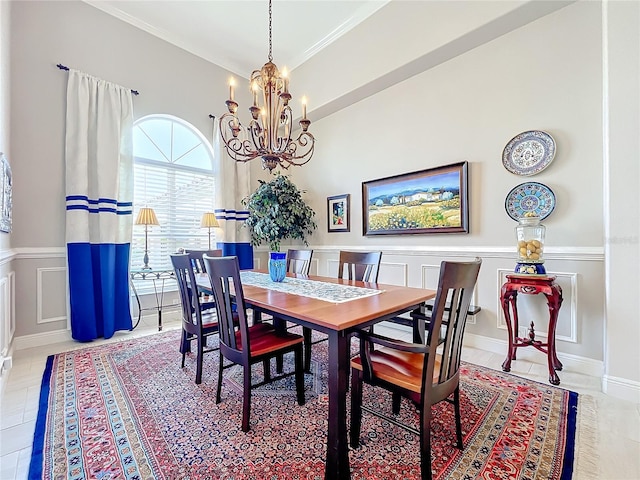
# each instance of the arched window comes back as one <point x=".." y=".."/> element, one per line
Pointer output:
<point x="173" y="174"/>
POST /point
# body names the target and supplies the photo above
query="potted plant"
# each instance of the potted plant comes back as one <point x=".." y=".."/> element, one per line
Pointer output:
<point x="278" y="212"/>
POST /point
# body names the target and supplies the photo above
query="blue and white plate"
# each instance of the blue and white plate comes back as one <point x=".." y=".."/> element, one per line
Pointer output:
<point x="529" y="153"/>
<point x="530" y="197"/>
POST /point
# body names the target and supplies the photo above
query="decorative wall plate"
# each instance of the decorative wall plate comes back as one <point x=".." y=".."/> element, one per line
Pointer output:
<point x="530" y="197"/>
<point x="529" y="153"/>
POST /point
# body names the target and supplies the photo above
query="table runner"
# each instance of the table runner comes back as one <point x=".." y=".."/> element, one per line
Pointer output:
<point x="328" y="292"/>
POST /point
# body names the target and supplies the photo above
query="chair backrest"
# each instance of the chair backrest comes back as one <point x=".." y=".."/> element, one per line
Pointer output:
<point x="224" y="275"/>
<point x="196" y="258"/>
<point x="299" y="261"/>
<point x="363" y="266"/>
<point x="183" y="269"/>
<point x="455" y="288"/>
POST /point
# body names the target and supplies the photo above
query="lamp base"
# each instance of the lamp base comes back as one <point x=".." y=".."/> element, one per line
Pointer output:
<point x="145" y="260"/>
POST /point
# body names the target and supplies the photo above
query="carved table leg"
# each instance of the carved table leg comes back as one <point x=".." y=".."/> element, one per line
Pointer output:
<point x="554" y="300"/>
<point x="508" y="301"/>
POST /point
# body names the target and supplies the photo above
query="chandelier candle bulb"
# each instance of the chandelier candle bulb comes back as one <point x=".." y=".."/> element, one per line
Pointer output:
<point x="231" y="84"/>
<point x="286" y="80"/>
<point x="304" y="108"/>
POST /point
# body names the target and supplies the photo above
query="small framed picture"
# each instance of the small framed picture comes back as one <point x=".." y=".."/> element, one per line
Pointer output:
<point x="338" y="213"/>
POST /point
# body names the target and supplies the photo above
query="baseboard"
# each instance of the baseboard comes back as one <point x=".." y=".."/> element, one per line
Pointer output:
<point x="41" y="339"/>
<point x="58" y="336"/>
<point x="575" y="363"/>
<point x="621" y="388"/>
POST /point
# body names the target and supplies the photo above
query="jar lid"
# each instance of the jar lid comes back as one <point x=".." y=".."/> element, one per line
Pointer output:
<point x="529" y="219"/>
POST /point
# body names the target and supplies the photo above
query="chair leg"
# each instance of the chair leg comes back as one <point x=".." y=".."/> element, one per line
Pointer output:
<point x="266" y="366"/>
<point x="356" y="406"/>
<point x="299" y="375"/>
<point x="395" y="403"/>
<point x="280" y="326"/>
<point x="219" y="388"/>
<point x="246" y="398"/>
<point x="306" y="333"/>
<point x="199" y="361"/>
<point x="456" y="407"/>
<point x="425" y="442"/>
<point x="185" y="346"/>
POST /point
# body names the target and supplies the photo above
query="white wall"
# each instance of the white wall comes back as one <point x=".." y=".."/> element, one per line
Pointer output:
<point x="80" y="36"/>
<point x="621" y="75"/>
<point x="7" y="277"/>
<point x="547" y="75"/>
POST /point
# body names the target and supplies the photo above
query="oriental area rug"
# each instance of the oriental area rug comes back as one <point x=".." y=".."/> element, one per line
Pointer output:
<point x="127" y="410"/>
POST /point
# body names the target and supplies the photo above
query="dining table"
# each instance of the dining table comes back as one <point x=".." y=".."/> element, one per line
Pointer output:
<point x="337" y="308"/>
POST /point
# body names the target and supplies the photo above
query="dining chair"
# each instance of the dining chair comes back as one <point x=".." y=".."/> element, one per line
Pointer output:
<point x="241" y="344"/>
<point x="196" y="258"/>
<point x="196" y="323"/>
<point x="299" y="261"/>
<point x="425" y="373"/>
<point x="362" y="266"/>
<point x="198" y="267"/>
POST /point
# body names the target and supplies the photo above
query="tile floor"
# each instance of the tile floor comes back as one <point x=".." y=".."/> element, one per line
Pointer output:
<point x="608" y="450"/>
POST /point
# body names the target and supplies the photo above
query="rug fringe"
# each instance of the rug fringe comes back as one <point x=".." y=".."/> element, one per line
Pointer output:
<point x="586" y="464"/>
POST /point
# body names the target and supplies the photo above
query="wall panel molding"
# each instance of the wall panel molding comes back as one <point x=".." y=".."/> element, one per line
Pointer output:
<point x="40" y="274"/>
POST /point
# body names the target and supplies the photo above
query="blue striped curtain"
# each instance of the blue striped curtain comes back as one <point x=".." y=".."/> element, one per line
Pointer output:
<point x="99" y="198"/>
<point x="232" y="185"/>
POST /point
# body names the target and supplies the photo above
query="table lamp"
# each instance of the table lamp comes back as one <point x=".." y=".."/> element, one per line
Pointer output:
<point x="209" y="221"/>
<point x="146" y="217"/>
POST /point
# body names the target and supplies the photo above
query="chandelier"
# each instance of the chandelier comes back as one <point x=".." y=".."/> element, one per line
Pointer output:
<point x="269" y="132"/>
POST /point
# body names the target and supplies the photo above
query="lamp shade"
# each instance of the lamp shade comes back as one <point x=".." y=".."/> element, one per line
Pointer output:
<point x="146" y="216"/>
<point x="209" y="220"/>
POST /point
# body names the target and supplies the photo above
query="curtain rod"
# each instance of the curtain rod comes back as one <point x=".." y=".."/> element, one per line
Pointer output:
<point x="64" y="67"/>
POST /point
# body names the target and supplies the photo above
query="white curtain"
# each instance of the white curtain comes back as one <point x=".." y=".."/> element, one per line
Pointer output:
<point x="232" y="185"/>
<point x="99" y="199"/>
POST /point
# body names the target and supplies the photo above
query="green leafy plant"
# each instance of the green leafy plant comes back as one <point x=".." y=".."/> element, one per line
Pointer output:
<point x="277" y="212"/>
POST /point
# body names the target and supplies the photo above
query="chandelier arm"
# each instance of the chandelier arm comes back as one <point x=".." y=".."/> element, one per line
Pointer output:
<point x="238" y="149"/>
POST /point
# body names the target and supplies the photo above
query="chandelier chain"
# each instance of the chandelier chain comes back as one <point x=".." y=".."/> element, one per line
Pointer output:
<point x="270" y="55"/>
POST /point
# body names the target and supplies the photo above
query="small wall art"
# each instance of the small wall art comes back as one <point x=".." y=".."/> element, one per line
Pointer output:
<point x="427" y="201"/>
<point x="6" y="194"/>
<point x="338" y="213"/>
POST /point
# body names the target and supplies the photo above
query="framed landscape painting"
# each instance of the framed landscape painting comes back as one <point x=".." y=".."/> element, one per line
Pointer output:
<point x="428" y="201"/>
<point x="338" y="213"/>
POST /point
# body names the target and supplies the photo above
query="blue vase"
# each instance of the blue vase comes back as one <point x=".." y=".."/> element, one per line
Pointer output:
<point x="277" y="266"/>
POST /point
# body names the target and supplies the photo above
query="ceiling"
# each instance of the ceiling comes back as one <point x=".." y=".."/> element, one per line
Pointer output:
<point x="235" y="34"/>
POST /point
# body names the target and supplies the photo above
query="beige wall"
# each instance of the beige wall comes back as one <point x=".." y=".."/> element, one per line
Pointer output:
<point x="75" y="34"/>
<point x="622" y="203"/>
<point x="463" y="102"/>
<point x="7" y="276"/>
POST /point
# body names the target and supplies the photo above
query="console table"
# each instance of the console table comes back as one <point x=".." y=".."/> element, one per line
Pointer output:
<point x="158" y="277"/>
<point x="532" y="285"/>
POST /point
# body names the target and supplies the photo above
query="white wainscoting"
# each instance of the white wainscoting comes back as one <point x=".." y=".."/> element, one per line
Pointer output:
<point x="50" y="278"/>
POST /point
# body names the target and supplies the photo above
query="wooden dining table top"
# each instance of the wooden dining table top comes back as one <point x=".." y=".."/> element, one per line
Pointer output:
<point x="330" y="315"/>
